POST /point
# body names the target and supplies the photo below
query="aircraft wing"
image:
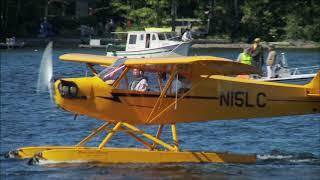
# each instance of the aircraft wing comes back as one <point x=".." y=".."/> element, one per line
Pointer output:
<point x="88" y="58"/>
<point x="190" y="65"/>
<point x="195" y="65"/>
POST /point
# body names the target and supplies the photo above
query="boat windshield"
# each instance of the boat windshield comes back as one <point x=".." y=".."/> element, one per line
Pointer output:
<point x="113" y="71"/>
<point x="171" y="36"/>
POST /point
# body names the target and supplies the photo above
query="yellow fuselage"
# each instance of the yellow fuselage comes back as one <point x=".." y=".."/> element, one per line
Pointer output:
<point x="214" y="98"/>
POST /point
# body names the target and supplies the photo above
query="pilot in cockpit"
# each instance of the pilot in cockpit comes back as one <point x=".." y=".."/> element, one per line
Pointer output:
<point x="140" y="82"/>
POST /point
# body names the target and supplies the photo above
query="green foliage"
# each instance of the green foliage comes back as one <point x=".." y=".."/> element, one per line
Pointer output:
<point x="293" y="29"/>
<point x="143" y="16"/>
<point x="303" y="21"/>
<point x="272" y="20"/>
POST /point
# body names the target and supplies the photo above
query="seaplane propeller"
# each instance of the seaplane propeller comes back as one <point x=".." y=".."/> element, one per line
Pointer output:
<point x="45" y="78"/>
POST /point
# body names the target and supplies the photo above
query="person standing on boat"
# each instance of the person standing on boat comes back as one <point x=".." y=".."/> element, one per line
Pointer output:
<point x="257" y="53"/>
<point x="140" y="83"/>
<point x="271" y="61"/>
<point x="245" y="56"/>
<point x="187" y="36"/>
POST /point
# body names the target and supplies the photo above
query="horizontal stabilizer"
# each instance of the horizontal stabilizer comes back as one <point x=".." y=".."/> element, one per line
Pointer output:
<point x="314" y="86"/>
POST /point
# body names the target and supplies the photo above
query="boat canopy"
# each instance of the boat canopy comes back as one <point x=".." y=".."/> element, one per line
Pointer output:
<point x="154" y="29"/>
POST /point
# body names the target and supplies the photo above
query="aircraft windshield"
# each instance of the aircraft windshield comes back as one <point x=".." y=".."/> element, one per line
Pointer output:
<point x="113" y="71"/>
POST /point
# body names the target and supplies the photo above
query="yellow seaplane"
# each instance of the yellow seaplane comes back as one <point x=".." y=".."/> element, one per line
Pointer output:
<point x="179" y="90"/>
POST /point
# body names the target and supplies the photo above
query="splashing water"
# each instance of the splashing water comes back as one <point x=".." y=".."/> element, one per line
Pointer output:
<point x="45" y="71"/>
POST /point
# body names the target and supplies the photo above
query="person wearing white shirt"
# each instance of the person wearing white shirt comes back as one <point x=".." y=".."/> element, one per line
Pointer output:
<point x="187" y="36"/>
<point x="140" y="83"/>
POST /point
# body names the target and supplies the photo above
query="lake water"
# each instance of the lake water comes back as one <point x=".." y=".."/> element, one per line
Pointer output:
<point x="287" y="147"/>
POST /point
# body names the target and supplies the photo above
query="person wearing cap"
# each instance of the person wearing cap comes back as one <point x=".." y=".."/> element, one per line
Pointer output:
<point x="271" y="61"/>
<point x="245" y="56"/>
<point x="257" y="53"/>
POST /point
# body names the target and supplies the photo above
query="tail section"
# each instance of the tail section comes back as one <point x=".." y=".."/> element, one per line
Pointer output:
<point x="314" y="86"/>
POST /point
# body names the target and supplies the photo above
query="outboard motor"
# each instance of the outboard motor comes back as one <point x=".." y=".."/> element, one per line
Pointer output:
<point x="281" y="68"/>
<point x="283" y="62"/>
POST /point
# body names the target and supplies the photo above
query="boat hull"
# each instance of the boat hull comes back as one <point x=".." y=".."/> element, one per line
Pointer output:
<point x="181" y="49"/>
<point x="300" y="79"/>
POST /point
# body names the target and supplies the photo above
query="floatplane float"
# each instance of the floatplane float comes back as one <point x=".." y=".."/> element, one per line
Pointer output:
<point x="211" y="95"/>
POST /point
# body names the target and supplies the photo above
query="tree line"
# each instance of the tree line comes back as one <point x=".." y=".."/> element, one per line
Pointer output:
<point x="239" y="20"/>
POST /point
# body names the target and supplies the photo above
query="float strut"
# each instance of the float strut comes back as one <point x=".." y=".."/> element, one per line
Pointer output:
<point x="154" y="145"/>
<point x="175" y="137"/>
<point x="149" y="136"/>
<point x="109" y="136"/>
<point x="94" y="133"/>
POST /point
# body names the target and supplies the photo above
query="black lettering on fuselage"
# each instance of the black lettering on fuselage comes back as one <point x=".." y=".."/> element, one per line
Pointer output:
<point x="224" y="99"/>
<point x="247" y="101"/>
<point x="259" y="101"/>
<point x="241" y="99"/>
<point x="231" y="98"/>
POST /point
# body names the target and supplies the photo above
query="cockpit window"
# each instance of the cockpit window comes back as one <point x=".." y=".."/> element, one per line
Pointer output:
<point x="113" y="71"/>
<point x="155" y="82"/>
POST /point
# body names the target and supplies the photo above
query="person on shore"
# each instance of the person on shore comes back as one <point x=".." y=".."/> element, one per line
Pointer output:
<point x="257" y="53"/>
<point x="187" y="36"/>
<point x="46" y="29"/>
<point x="245" y="56"/>
<point x="109" y="26"/>
<point x="271" y="61"/>
<point x="140" y="83"/>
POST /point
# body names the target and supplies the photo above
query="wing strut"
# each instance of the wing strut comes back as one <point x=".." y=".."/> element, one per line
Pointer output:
<point x="163" y="93"/>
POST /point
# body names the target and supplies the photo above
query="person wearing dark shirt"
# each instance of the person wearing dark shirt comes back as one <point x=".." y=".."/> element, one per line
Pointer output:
<point x="257" y="54"/>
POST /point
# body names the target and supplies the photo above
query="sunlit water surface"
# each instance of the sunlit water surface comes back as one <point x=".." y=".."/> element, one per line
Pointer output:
<point x="287" y="147"/>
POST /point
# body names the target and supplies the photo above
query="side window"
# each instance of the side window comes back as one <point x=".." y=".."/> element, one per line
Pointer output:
<point x="132" y="39"/>
<point x="162" y="36"/>
<point x="141" y="37"/>
<point x="154" y="37"/>
<point x="133" y="78"/>
<point x="180" y="85"/>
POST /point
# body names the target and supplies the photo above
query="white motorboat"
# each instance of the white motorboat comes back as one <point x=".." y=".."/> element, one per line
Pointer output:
<point x="292" y="78"/>
<point x="140" y="44"/>
<point x="283" y="74"/>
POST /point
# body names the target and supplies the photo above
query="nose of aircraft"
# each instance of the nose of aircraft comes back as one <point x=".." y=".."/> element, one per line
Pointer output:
<point x="68" y="89"/>
<point x="72" y="94"/>
<point x="78" y="95"/>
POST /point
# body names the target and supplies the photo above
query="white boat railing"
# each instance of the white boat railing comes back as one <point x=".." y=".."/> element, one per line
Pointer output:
<point x="305" y="70"/>
<point x="283" y="64"/>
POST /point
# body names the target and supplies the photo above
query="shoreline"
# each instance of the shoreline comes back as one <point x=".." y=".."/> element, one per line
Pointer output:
<point x="241" y="45"/>
<point x="298" y="44"/>
<point x="197" y="44"/>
